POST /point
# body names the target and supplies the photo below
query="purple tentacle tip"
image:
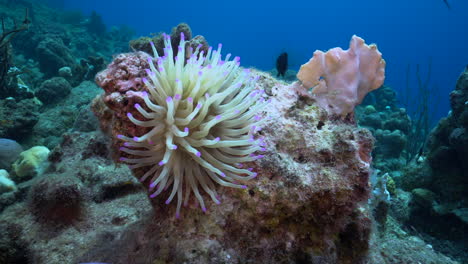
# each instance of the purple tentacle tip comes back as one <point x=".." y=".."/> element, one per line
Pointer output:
<point x="218" y="117"/>
<point x="186" y="130"/>
<point x="198" y="153"/>
<point x="120" y="136"/>
<point x="144" y="93"/>
<point x="204" y="209"/>
<point x="244" y="186"/>
<point x="122" y="159"/>
<point x="150" y="60"/>
<point x="250" y="169"/>
<point x="182" y="36"/>
<point x="177" y="216"/>
<point x="129" y="115"/>
<point x="222" y="174"/>
<point x="162" y="162"/>
<point x="168" y="201"/>
<point x="151" y="43"/>
<point x="174" y="146"/>
<point x="177" y="96"/>
<point x="217" y="202"/>
<point x="199" y="105"/>
<point x="137" y="106"/>
<point x="254" y="175"/>
<point x="121" y="149"/>
<point x="136" y="138"/>
<point x="144" y="80"/>
<point x="189" y="99"/>
<point x="217" y="139"/>
<point x="169" y="99"/>
<point x="126" y="144"/>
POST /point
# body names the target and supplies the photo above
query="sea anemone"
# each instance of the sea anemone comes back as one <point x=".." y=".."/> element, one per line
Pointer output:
<point x="202" y="113"/>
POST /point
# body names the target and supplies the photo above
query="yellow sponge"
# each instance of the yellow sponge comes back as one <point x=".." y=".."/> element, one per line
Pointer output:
<point x="31" y="162"/>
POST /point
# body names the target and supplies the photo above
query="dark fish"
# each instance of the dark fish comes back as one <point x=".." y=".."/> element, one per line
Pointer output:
<point x="282" y="64"/>
<point x="447" y="4"/>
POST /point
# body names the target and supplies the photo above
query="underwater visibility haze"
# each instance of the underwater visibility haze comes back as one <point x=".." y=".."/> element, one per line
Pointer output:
<point x="233" y="131"/>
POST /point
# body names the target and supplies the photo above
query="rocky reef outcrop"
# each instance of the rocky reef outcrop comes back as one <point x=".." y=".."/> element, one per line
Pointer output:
<point x="308" y="204"/>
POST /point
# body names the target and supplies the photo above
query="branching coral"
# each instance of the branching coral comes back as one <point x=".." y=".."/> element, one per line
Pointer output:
<point x="201" y="115"/>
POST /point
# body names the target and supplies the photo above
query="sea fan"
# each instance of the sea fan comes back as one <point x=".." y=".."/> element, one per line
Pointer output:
<point x="201" y="113"/>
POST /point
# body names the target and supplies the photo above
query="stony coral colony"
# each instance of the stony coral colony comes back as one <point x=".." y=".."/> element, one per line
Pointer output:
<point x="202" y="113"/>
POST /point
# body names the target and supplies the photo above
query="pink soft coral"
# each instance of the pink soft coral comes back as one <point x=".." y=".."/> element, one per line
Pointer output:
<point x="340" y="79"/>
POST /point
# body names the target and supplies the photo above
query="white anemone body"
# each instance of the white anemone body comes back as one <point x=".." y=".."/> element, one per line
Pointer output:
<point x="202" y="113"/>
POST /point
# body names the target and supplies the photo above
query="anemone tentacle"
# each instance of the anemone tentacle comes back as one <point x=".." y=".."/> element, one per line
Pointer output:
<point x="201" y="113"/>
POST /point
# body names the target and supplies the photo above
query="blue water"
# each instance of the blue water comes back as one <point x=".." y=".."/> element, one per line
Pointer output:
<point x="407" y="32"/>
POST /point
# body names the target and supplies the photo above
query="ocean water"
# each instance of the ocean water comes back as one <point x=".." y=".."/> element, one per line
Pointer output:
<point x="406" y="32"/>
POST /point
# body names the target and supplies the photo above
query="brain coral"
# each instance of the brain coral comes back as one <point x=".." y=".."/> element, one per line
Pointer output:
<point x="201" y="115"/>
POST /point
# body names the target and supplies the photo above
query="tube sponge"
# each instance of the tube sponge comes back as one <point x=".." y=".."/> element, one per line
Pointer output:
<point x="200" y="116"/>
<point x="340" y="79"/>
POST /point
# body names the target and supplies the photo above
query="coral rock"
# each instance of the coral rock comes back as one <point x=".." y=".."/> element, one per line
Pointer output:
<point x="56" y="198"/>
<point x="53" y="90"/>
<point x="308" y="203"/>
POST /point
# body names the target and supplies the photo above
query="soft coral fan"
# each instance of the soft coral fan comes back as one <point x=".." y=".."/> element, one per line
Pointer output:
<point x="202" y="113"/>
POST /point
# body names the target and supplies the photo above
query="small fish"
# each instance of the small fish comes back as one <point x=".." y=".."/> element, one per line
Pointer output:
<point x="282" y="64"/>
<point x="447" y="4"/>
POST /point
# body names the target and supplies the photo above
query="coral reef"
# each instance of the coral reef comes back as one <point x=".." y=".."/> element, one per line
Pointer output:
<point x="204" y="111"/>
<point x="64" y="115"/>
<point x="390" y="125"/>
<point x="432" y="198"/>
<point x="45" y="63"/>
<point x="18" y="118"/>
<point x="53" y="90"/>
<point x="52" y="55"/>
<point x="56" y="199"/>
<point x="8" y="81"/>
<point x="307" y="200"/>
<point x="308" y="205"/>
<point x="313" y="180"/>
<point x="192" y="44"/>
